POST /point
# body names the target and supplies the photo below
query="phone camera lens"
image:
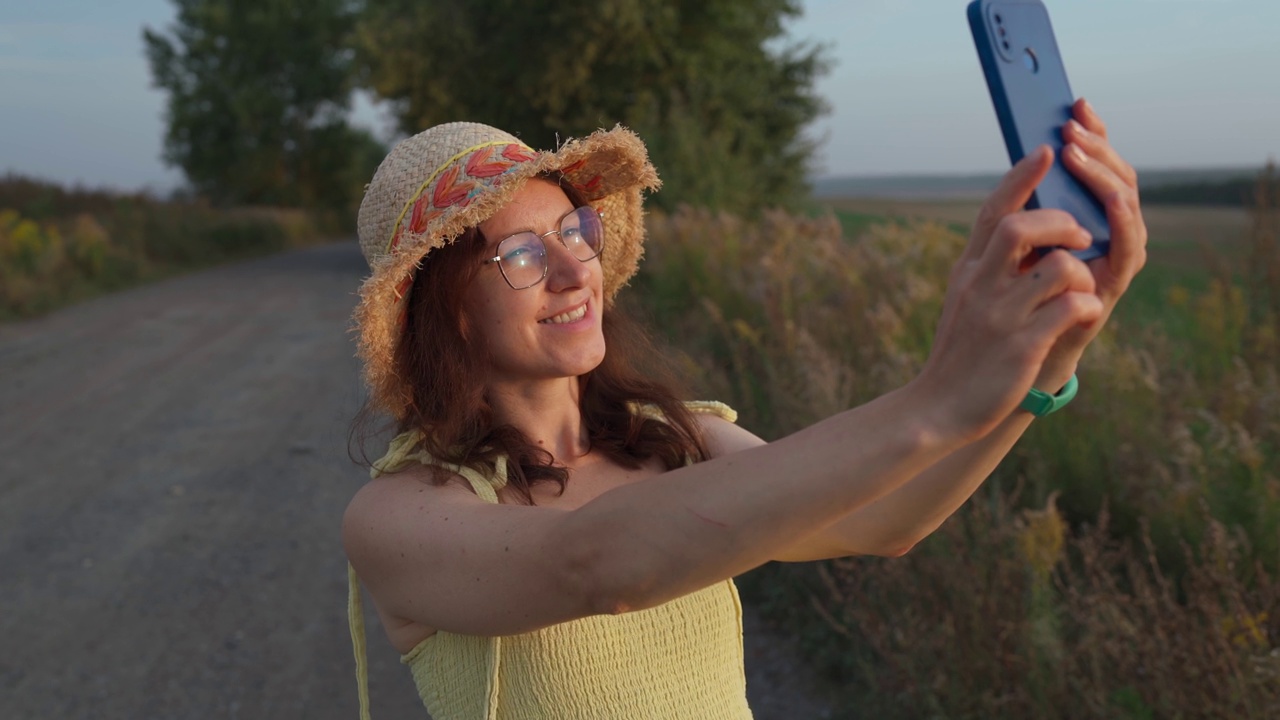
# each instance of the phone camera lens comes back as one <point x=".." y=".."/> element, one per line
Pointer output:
<point x="999" y="19"/>
<point x="1003" y="32"/>
<point x="1005" y="44"/>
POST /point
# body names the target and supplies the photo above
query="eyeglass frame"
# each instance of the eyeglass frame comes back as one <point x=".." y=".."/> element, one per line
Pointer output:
<point x="546" y="267"/>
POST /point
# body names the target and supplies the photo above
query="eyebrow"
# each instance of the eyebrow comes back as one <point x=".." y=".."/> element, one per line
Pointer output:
<point x="535" y="232"/>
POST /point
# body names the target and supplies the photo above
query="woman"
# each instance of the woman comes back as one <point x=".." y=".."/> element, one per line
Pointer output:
<point x="553" y="534"/>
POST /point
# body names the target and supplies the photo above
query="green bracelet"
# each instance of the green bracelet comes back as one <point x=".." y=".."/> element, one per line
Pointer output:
<point x="1040" y="403"/>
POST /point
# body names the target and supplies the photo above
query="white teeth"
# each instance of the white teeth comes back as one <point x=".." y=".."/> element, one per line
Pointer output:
<point x="568" y="317"/>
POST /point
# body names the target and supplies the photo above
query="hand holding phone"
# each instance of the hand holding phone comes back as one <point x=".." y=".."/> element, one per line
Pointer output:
<point x="1032" y="97"/>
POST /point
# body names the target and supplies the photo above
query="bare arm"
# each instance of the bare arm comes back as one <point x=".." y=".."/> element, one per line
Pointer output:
<point x="444" y="559"/>
<point x="891" y="525"/>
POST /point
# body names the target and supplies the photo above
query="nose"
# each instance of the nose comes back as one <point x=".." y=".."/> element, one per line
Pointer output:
<point x="564" y="271"/>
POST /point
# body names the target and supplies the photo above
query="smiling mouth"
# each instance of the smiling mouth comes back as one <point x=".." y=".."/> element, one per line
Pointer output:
<point x="566" y="317"/>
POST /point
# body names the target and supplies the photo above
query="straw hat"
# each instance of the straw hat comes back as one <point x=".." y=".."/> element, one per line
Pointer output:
<point x="436" y="184"/>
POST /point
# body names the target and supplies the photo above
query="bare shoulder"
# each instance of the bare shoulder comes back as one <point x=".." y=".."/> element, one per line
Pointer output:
<point x="425" y="480"/>
<point x="382" y="504"/>
<point x="438" y="556"/>
<point x="723" y="437"/>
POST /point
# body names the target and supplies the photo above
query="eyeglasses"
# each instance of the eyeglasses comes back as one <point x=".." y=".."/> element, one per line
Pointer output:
<point x="522" y="257"/>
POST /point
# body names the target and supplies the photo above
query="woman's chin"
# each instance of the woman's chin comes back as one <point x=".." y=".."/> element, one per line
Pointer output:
<point x="564" y="367"/>
<point x="582" y="366"/>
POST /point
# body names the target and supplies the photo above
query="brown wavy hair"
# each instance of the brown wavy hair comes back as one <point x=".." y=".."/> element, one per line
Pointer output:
<point x="445" y="369"/>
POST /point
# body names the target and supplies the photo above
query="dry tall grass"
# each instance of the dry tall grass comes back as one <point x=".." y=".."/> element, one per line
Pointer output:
<point x="1122" y="561"/>
<point x="58" y="245"/>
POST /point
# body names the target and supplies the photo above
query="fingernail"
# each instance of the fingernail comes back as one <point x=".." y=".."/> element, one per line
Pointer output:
<point x="1076" y="127"/>
<point x="1077" y="153"/>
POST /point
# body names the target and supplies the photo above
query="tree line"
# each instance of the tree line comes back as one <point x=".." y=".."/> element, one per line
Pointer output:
<point x="260" y="91"/>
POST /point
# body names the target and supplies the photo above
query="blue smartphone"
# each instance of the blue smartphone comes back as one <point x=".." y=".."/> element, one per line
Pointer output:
<point x="1033" y="99"/>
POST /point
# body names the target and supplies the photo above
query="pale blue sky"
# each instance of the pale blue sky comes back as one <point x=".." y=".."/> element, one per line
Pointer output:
<point x="1183" y="83"/>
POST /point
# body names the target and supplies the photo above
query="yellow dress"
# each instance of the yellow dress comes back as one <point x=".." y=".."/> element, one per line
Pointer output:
<point x="682" y="659"/>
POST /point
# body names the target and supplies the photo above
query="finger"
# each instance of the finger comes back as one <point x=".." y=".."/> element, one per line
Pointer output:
<point x="1119" y="196"/>
<point x="1096" y="175"/>
<point x="1084" y="112"/>
<point x="1068" y="310"/>
<point x="1021" y="234"/>
<point x="1128" y="252"/>
<point x="1096" y="147"/>
<point x="1009" y="197"/>
<point x="1052" y="275"/>
<point x="1087" y="153"/>
<point x="1127" y="224"/>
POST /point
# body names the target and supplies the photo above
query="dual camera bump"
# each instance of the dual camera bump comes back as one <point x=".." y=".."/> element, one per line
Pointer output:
<point x="1007" y="44"/>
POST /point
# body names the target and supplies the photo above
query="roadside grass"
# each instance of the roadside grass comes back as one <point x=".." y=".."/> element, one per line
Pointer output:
<point x="60" y="246"/>
<point x="1121" y="562"/>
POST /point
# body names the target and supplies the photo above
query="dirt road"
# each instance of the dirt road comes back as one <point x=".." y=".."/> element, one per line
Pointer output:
<point x="173" y="469"/>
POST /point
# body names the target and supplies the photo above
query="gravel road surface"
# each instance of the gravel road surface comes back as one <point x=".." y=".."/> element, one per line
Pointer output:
<point x="173" y="470"/>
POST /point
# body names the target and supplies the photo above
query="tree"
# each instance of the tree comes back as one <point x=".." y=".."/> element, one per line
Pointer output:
<point x="719" y="99"/>
<point x="258" y="95"/>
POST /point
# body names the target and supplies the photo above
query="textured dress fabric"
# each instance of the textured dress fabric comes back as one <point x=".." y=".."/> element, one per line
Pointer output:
<point x="682" y="659"/>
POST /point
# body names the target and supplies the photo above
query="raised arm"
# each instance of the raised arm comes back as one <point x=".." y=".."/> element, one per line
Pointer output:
<point x="437" y="557"/>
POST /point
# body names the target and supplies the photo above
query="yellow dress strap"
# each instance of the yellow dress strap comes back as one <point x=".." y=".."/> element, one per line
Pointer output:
<point x="405" y="449"/>
<point x="707" y="407"/>
<point x="712" y="407"/>
<point x="355" y="621"/>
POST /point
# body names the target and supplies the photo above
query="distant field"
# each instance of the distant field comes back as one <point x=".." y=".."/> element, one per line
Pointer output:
<point x="1177" y="230"/>
<point x="1186" y="243"/>
<point x="935" y="187"/>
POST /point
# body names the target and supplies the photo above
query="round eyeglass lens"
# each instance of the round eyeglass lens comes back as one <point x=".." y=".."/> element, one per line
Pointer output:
<point x="524" y="259"/>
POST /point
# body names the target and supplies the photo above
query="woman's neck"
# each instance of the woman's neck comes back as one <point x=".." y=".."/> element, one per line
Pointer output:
<point x="547" y="412"/>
